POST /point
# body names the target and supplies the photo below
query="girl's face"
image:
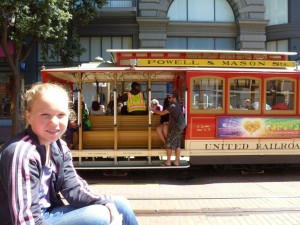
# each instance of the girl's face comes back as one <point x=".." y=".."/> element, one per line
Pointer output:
<point x="48" y="116"/>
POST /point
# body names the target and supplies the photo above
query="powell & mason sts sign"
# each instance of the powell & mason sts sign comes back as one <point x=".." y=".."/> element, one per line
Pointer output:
<point x="215" y="63"/>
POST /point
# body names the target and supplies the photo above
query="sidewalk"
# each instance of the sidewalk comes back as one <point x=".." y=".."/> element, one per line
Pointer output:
<point x="268" y="199"/>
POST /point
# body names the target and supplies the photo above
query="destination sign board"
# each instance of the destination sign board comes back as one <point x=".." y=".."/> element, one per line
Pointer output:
<point x="215" y="63"/>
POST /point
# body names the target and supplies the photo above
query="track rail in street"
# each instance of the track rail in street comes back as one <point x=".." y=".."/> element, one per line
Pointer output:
<point x="215" y="211"/>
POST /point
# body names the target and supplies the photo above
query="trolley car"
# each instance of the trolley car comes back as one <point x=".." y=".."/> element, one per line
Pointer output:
<point x="241" y="107"/>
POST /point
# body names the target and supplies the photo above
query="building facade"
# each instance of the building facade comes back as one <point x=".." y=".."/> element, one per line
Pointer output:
<point x="260" y="25"/>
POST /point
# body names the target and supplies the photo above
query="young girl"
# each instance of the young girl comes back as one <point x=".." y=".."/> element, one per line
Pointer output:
<point x="36" y="168"/>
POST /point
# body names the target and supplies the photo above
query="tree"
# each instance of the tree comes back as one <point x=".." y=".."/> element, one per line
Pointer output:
<point x="28" y="22"/>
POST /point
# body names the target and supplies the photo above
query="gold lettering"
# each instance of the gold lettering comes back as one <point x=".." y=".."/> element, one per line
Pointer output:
<point x="203" y="128"/>
<point x="215" y="62"/>
<point x="151" y="61"/>
<point x="243" y="63"/>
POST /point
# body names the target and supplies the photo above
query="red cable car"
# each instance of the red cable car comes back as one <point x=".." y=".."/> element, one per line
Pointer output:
<point x="241" y="107"/>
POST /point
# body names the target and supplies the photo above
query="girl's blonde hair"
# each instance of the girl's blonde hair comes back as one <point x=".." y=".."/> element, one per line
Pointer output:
<point x="38" y="89"/>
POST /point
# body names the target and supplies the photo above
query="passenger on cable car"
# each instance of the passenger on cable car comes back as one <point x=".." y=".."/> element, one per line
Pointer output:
<point x="248" y="105"/>
<point x="121" y="110"/>
<point x="86" y="123"/>
<point x="135" y="100"/>
<point x="173" y="140"/>
<point x="281" y="104"/>
<point x="155" y="105"/>
<point x="162" y="129"/>
<point x="97" y="109"/>
<point x="72" y="128"/>
<point x="256" y="106"/>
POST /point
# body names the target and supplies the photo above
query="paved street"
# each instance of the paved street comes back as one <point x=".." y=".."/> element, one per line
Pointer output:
<point x="206" y="196"/>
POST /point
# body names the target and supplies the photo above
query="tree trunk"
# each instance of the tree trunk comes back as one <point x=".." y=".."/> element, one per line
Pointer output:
<point x="15" y="108"/>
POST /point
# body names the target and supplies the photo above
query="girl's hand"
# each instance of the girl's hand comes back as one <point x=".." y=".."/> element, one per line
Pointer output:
<point x="115" y="217"/>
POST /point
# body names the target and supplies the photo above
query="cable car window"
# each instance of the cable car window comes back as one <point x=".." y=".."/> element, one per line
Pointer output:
<point x="280" y="94"/>
<point x="207" y="94"/>
<point x="245" y="94"/>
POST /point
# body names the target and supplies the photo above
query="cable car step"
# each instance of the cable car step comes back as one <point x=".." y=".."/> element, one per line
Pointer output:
<point x="128" y="165"/>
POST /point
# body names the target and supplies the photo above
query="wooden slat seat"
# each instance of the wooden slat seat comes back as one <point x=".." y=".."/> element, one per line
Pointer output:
<point x="123" y="122"/>
<point x="126" y="139"/>
<point x="102" y="122"/>
<point x="132" y="132"/>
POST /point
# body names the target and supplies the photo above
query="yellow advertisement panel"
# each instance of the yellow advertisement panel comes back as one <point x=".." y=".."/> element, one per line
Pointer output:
<point x="215" y="63"/>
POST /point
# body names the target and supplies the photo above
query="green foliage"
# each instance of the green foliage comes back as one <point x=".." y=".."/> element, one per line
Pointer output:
<point x="49" y="22"/>
<point x="52" y="23"/>
<point x="42" y="20"/>
<point x="82" y="11"/>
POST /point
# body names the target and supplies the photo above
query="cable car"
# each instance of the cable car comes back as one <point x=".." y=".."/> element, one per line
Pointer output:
<point x="241" y="107"/>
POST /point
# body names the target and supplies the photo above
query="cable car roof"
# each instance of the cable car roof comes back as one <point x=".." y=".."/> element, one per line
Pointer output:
<point x="118" y="54"/>
<point x="88" y="74"/>
<point x="127" y="66"/>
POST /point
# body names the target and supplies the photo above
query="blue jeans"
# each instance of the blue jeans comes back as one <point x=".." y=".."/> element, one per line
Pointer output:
<point x="90" y="215"/>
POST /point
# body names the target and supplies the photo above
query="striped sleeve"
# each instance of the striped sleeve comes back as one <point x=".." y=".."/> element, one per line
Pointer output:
<point x="24" y="181"/>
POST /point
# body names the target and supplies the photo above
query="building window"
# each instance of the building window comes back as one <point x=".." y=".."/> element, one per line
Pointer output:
<point x="244" y="94"/>
<point x="201" y="10"/>
<point x="200" y="43"/>
<point x="119" y="3"/>
<point x="97" y="46"/>
<point x="276" y="11"/>
<point x="51" y="57"/>
<point x="94" y="46"/>
<point x="207" y="94"/>
<point x="278" y="46"/>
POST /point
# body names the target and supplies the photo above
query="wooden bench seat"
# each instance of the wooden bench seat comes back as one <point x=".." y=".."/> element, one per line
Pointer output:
<point x="126" y="139"/>
<point x="132" y="132"/>
<point x="129" y="122"/>
<point x="102" y="122"/>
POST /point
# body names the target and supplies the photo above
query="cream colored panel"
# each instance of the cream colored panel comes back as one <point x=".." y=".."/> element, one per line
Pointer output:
<point x="203" y="145"/>
<point x="297" y="141"/>
<point x="241" y="144"/>
<point x="279" y="145"/>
